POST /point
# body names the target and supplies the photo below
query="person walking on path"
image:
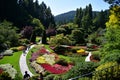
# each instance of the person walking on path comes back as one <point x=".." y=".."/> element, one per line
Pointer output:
<point x="26" y="76"/>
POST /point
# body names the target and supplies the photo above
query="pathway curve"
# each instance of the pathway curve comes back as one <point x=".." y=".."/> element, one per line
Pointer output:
<point x="23" y="63"/>
<point x="87" y="59"/>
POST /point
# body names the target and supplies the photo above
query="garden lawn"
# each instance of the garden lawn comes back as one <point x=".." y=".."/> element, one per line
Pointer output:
<point x="48" y="48"/>
<point x="13" y="60"/>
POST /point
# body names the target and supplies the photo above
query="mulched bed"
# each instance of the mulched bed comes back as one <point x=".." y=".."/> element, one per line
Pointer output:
<point x="93" y="60"/>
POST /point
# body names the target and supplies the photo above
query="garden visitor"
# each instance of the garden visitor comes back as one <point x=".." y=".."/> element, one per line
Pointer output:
<point x="26" y="76"/>
<point x="28" y="47"/>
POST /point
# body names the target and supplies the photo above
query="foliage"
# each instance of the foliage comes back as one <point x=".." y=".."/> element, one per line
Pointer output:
<point x="113" y="56"/>
<point x="62" y="62"/>
<point x="8" y="35"/>
<point x="113" y="2"/>
<point x="77" y="36"/>
<point x="60" y="40"/>
<point x="50" y="32"/>
<point x="113" y="31"/>
<point x="107" y="70"/>
<point x="66" y="28"/>
<point x="24" y="41"/>
<point x="38" y="26"/>
<point x="5" y="76"/>
<point x="97" y="37"/>
<point x="80" y="69"/>
<point x="8" y="68"/>
<point x="8" y="52"/>
<point x="27" y="32"/>
<point x="60" y="49"/>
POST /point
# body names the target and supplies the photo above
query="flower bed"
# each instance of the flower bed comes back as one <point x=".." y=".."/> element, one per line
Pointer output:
<point x="8" y="68"/>
<point x="46" y="58"/>
<point x="56" y="69"/>
<point x="35" y="55"/>
<point x="38" y="68"/>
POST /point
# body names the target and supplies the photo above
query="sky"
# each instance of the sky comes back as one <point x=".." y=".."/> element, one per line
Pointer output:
<point x="62" y="6"/>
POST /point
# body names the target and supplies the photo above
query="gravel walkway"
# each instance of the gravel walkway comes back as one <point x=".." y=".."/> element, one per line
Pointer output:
<point x="23" y="63"/>
<point x="87" y="59"/>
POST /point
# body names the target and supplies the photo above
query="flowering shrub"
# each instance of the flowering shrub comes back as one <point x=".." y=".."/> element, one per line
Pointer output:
<point x="8" y="53"/>
<point x="81" y="51"/>
<point x="8" y="68"/>
<point x="37" y="67"/>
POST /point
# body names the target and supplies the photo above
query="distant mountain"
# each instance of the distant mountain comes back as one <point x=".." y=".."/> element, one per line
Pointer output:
<point x="68" y="17"/>
<point x="65" y="17"/>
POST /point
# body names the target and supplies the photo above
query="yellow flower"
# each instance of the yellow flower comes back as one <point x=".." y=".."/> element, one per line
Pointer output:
<point x="81" y="51"/>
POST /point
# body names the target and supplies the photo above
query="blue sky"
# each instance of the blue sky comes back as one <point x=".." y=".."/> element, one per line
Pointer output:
<point x="62" y="6"/>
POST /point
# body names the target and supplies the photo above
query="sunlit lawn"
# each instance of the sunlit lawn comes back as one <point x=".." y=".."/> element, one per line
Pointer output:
<point x="13" y="60"/>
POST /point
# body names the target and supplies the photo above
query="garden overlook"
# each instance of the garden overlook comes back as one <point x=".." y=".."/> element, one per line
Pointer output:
<point x="78" y="45"/>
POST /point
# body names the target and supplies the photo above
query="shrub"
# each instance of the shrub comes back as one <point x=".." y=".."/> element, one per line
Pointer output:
<point x="80" y="69"/>
<point x="14" y="49"/>
<point x="21" y="48"/>
<point x="5" y="76"/>
<point x="8" y="53"/>
<point x="9" y="69"/>
<point x="60" y="40"/>
<point x="62" y="62"/>
<point x="112" y="56"/>
<point x="49" y="77"/>
<point x="60" y="49"/>
<point x="107" y="70"/>
<point x="24" y="41"/>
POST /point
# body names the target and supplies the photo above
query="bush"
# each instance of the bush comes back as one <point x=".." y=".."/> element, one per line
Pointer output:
<point x="8" y="53"/>
<point x="49" y="77"/>
<point x="14" y="49"/>
<point x="62" y="62"/>
<point x="5" y="76"/>
<point x="112" y="56"/>
<point x="9" y="69"/>
<point x="60" y="40"/>
<point x="107" y="70"/>
<point x="60" y="49"/>
<point x="80" y="69"/>
<point x="24" y="41"/>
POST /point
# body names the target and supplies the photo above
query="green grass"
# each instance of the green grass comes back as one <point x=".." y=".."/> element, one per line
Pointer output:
<point x="67" y="58"/>
<point x="47" y="47"/>
<point x="13" y="60"/>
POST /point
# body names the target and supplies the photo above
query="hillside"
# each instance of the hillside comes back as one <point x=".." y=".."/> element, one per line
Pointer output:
<point x="68" y="17"/>
<point x="65" y="17"/>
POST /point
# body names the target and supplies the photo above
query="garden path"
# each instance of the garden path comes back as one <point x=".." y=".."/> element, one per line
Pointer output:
<point x="23" y="63"/>
<point x="87" y="59"/>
